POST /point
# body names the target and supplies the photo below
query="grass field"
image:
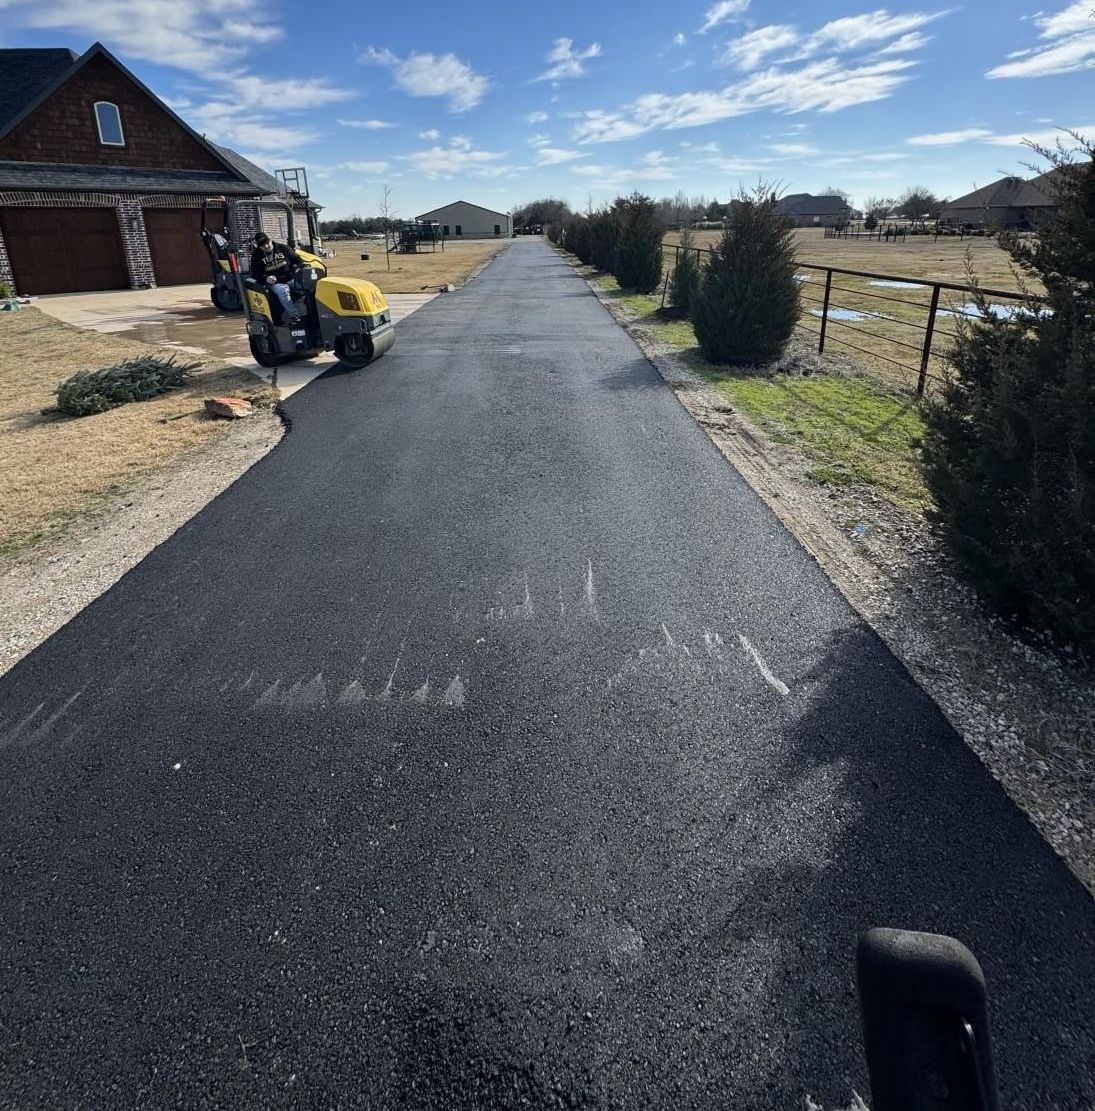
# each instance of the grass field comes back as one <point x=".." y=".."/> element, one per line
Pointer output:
<point x="412" y="273"/>
<point x="54" y="466"/>
<point x="894" y="318"/>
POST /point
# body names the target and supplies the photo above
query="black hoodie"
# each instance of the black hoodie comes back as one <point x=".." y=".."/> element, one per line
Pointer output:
<point x="279" y="264"/>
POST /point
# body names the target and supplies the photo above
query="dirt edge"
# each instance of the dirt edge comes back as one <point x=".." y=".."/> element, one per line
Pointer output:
<point x="44" y="587"/>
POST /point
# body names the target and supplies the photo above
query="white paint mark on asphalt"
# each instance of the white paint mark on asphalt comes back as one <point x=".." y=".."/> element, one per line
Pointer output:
<point x="41" y="730"/>
<point x="386" y="693"/>
<point x="669" y="641"/>
<point x="247" y="685"/>
<point x="525" y="608"/>
<point x="454" y="693"/>
<point x="312" y="693"/>
<point x="712" y="642"/>
<point x="13" y="734"/>
<point x="769" y="678"/>
<point x="177" y="767"/>
<point x="590" y="589"/>
<point x="353" y="695"/>
<point x="422" y="693"/>
<point x="562" y="604"/>
<point x="270" y="696"/>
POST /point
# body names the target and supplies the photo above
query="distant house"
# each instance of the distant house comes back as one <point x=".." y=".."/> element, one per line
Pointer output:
<point x="101" y="183"/>
<point x="1010" y="202"/>
<point x="808" y="211"/>
<point x="461" y="220"/>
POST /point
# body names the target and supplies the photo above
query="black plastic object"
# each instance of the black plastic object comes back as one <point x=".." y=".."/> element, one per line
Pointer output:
<point x="925" y="1023"/>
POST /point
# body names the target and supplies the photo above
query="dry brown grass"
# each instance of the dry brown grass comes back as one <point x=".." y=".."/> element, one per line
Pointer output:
<point x="412" y="273"/>
<point x="888" y="347"/>
<point x="53" y="467"/>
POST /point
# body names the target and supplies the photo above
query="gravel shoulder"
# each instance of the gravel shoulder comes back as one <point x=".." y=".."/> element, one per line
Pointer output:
<point x="45" y="586"/>
<point x="1026" y="711"/>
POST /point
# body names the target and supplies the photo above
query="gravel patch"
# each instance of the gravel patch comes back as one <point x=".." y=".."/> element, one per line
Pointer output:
<point x="44" y="587"/>
<point x="1026" y="709"/>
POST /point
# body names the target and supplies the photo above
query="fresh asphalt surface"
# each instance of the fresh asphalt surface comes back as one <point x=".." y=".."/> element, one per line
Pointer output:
<point x="259" y="845"/>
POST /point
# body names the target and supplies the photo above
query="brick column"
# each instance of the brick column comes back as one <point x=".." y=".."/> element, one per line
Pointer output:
<point x="6" y="274"/>
<point x="138" y="256"/>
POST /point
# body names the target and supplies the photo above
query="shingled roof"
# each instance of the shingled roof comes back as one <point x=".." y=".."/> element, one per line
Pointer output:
<point x="805" y="204"/>
<point x="24" y="74"/>
<point x="122" y="179"/>
<point x="1010" y="192"/>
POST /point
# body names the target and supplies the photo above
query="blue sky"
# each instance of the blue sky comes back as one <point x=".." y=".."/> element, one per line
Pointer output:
<point x="587" y="100"/>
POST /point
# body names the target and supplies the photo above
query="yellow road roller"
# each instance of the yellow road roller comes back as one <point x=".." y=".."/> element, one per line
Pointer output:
<point x="348" y="316"/>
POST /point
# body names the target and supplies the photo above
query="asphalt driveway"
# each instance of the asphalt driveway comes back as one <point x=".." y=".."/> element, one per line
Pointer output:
<point x="491" y="744"/>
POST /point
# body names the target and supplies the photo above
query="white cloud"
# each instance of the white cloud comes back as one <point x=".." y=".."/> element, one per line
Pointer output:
<point x="440" y="75"/>
<point x="1047" y="137"/>
<point x="800" y="150"/>
<point x="679" y="38"/>
<point x="367" y="125"/>
<point x="458" y="157"/>
<point x="914" y="40"/>
<point x="537" y="117"/>
<point x="949" y="138"/>
<point x="294" y="94"/>
<point x="1070" y="45"/>
<point x="539" y="140"/>
<point x="822" y="86"/>
<point x="748" y="51"/>
<point x="209" y="37"/>
<point x="839" y="36"/>
<point x="853" y="32"/>
<point x="566" y="61"/>
<point x="259" y="135"/>
<point x="721" y="11"/>
<point x="430" y="136"/>
<point x="554" y="156"/>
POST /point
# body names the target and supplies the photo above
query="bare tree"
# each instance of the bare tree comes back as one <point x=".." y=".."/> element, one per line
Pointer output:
<point x="833" y="191"/>
<point x="385" y="209"/>
<point x="878" y="207"/>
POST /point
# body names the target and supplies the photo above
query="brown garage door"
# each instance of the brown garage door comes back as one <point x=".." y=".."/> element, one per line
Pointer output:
<point x="174" y="237"/>
<point x="64" y="250"/>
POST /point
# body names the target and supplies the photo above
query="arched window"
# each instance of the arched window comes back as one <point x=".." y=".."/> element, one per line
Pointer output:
<point x="109" y="121"/>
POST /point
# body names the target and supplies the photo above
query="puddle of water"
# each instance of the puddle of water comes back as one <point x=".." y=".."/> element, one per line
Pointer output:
<point x="1005" y="311"/>
<point x="884" y="284"/>
<point x="221" y="335"/>
<point x="841" y="314"/>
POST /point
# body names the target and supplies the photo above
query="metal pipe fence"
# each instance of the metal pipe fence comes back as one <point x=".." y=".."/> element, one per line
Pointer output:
<point x="909" y="334"/>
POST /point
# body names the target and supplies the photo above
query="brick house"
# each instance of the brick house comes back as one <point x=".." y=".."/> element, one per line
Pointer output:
<point x="1010" y="202"/>
<point x="808" y="211"/>
<point x="101" y="183"/>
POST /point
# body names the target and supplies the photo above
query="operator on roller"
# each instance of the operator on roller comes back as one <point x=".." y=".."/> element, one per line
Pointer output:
<point x="274" y="264"/>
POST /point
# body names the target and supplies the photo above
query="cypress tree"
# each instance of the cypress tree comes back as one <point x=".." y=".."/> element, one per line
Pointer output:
<point x="638" y="257"/>
<point x="749" y="302"/>
<point x="1010" y="449"/>
<point x="684" y="282"/>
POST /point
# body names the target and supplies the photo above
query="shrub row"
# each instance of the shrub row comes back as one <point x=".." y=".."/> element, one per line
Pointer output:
<point x="624" y="239"/>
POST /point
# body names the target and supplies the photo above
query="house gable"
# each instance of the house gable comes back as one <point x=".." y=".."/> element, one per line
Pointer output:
<point x="61" y="128"/>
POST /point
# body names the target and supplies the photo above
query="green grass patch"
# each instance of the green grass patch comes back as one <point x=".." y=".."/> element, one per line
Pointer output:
<point x="646" y="307"/>
<point x="856" y="431"/>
